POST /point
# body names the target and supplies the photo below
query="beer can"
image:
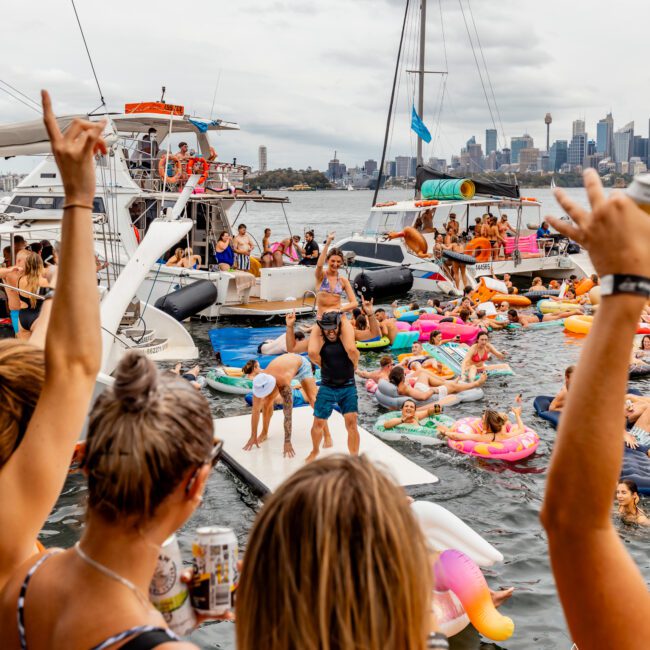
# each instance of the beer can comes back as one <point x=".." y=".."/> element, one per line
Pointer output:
<point x="214" y="553"/>
<point x="639" y="191"/>
<point x="168" y="594"/>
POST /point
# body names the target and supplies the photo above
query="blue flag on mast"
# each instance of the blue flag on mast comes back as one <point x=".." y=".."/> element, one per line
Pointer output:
<point x="419" y="127"/>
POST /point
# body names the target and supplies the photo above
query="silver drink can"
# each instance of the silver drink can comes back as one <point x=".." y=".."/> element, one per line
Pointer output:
<point x="639" y="191"/>
<point x="168" y="594"/>
<point x="215" y="552"/>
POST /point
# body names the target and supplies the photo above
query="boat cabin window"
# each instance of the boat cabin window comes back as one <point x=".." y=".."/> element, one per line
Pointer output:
<point x="381" y="222"/>
<point x="21" y="203"/>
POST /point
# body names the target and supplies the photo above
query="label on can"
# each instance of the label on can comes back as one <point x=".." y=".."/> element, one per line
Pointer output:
<point x="639" y="191"/>
<point x="168" y="594"/>
<point x="215" y="552"/>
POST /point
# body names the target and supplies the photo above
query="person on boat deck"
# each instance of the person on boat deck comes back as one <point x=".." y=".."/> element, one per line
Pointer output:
<point x="537" y="317"/>
<point x="367" y="327"/>
<point x="427" y="221"/>
<point x="494" y="235"/>
<point x="276" y="379"/>
<point x="267" y="253"/>
<point x="452" y="224"/>
<point x="438" y="247"/>
<point x="412" y="415"/>
<point x="476" y="228"/>
<point x="459" y="269"/>
<point x="6" y="256"/>
<point x="287" y="248"/>
<point x="311" y="252"/>
<point x="328" y="351"/>
<point x="386" y="364"/>
<point x="478" y="354"/>
<point x="183" y="153"/>
<point x="543" y="232"/>
<point x="495" y="427"/>
<point x="505" y="227"/>
<point x="559" y="401"/>
<point x="427" y="385"/>
<point x="32" y="280"/>
<point x="242" y="246"/>
<point x="627" y="497"/>
<point x="332" y="289"/>
<point x="190" y="260"/>
<point x="176" y="258"/>
<point x="223" y="252"/>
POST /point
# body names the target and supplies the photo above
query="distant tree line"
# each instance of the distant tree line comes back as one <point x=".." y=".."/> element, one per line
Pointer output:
<point x="277" y="178"/>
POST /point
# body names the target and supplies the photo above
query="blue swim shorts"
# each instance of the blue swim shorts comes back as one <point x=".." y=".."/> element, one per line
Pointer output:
<point x="328" y="396"/>
<point x="305" y="371"/>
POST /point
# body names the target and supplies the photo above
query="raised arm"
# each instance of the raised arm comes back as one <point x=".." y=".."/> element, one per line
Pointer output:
<point x="367" y="306"/>
<point x="322" y="258"/>
<point x="290" y="321"/>
<point x="32" y="478"/>
<point x="597" y="584"/>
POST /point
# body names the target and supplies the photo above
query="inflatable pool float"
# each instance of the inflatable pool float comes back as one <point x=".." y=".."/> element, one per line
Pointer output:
<point x="404" y="340"/>
<point x="374" y="344"/>
<point x="579" y="324"/>
<point x="439" y="317"/>
<point x="639" y="370"/>
<point x="541" y="404"/>
<point x="584" y="286"/>
<point x="298" y="400"/>
<point x="452" y="354"/>
<point x="388" y="397"/>
<point x="636" y="467"/>
<point x="405" y="315"/>
<point x="459" y="257"/>
<point x="229" y="380"/>
<point x="536" y="296"/>
<point x="467" y="333"/>
<point x="543" y="324"/>
<point x="514" y="299"/>
<point x="460" y="592"/>
<point x="552" y="306"/>
<point x="371" y="386"/>
<point x="512" y="449"/>
<point x="425" y="433"/>
<point x="445" y="373"/>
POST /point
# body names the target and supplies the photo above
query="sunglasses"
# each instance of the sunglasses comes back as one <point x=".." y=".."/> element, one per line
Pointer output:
<point x="211" y="460"/>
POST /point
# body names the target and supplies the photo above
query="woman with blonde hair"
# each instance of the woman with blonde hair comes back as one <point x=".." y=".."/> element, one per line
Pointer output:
<point x="45" y="394"/>
<point x="176" y="258"/>
<point x="32" y="281"/>
<point x="336" y="560"/>
<point x="148" y="454"/>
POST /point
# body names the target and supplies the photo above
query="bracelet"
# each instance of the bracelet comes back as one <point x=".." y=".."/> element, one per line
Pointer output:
<point x="77" y="205"/>
<point x="622" y="283"/>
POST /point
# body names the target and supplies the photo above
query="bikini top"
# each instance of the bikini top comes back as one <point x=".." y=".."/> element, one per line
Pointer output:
<point x="476" y="357"/>
<point x="145" y="637"/>
<point x="337" y="289"/>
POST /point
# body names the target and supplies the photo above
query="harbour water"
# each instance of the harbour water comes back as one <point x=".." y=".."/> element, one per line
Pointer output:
<point x="499" y="500"/>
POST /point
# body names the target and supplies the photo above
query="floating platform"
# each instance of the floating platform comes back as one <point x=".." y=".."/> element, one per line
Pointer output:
<point x="264" y="469"/>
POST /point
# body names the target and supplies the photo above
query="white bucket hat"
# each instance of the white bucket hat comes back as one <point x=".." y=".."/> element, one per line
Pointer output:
<point x="263" y="385"/>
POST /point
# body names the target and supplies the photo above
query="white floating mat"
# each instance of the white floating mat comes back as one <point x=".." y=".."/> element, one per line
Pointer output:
<point x="265" y="468"/>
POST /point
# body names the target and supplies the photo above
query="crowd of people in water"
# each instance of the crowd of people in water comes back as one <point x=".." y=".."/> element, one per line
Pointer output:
<point x="326" y="562"/>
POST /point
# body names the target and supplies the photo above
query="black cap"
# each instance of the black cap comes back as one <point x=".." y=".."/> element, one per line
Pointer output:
<point x="330" y="320"/>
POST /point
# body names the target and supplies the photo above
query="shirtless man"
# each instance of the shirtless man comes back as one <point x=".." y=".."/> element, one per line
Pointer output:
<point x="386" y="325"/>
<point x="427" y="221"/>
<point x="537" y="317"/>
<point x="276" y="379"/>
<point x="452" y="225"/>
<point x="427" y="385"/>
<point x="367" y="326"/>
<point x="386" y="364"/>
<point x="243" y="245"/>
<point x="559" y="400"/>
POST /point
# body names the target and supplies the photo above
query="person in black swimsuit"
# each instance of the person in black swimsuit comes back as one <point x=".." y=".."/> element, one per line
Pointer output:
<point x="337" y="386"/>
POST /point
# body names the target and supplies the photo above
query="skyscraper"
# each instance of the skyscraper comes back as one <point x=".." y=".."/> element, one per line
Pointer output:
<point x="623" y="140"/>
<point x="370" y="167"/>
<point x="605" y="135"/>
<point x="490" y="141"/>
<point x="558" y="154"/>
<point x="577" y="149"/>
<point x="475" y="157"/>
<point x="517" y="144"/>
<point x="402" y="164"/>
<point x="262" y="164"/>
<point x="578" y="127"/>
<point x="334" y="170"/>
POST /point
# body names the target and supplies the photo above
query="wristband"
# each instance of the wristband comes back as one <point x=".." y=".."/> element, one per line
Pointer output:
<point x="78" y="205"/>
<point x="437" y="641"/>
<point x="622" y="283"/>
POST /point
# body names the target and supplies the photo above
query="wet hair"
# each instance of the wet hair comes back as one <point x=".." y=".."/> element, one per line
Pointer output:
<point x="493" y="421"/>
<point x="396" y="375"/>
<point x="335" y="251"/>
<point x="415" y="306"/>
<point x="594" y="278"/>
<point x="412" y="401"/>
<point x="22" y="374"/>
<point x="380" y="310"/>
<point x="299" y="336"/>
<point x="631" y="486"/>
<point x="512" y="313"/>
<point x="481" y="313"/>
<point x="385" y="361"/>
<point x="249" y="366"/>
<point x="144" y="434"/>
<point x="464" y="314"/>
<point x="569" y="371"/>
<point x="436" y="302"/>
<point x="433" y="335"/>
<point x="467" y="290"/>
<point x="327" y="550"/>
<point x="643" y="340"/>
<point x="356" y="312"/>
<point x="362" y="322"/>
<point x="33" y="270"/>
<point x="480" y="334"/>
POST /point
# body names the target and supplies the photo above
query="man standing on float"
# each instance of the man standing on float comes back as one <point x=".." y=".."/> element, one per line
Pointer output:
<point x="337" y="385"/>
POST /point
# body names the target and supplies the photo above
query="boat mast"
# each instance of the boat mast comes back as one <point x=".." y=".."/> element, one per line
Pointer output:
<point x="423" y="22"/>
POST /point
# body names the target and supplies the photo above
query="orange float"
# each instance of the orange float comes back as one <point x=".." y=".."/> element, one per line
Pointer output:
<point x="385" y="204"/>
<point x="162" y="168"/>
<point x="426" y="204"/>
<point x="584" y="286"/>
<point x="480" y="248"/>
<point x="414" y="240"/>
<point x="512" y="298"/>
<point x="192" y="162"/>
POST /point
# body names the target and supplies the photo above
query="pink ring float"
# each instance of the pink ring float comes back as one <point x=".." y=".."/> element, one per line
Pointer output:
<point x="467" y="333"/>
<point x="515" y="448"/>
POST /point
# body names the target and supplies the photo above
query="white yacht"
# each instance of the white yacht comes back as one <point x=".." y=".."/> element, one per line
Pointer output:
<point x="134" y="187"/>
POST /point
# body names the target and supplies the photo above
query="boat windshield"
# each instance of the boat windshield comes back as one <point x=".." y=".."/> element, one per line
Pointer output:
<point x="381" y="222"/>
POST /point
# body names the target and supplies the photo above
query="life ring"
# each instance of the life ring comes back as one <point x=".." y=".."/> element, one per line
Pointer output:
<point x="459" y="257"/>
<point x="162" y="168"/>
<point x="213" y="154"/>
<point x="203" y="162"/>
<point x="136" y="232"/>
<point x="374" y="344"/>
<point x="425" y="204"/>
<point x="480" y="248"/>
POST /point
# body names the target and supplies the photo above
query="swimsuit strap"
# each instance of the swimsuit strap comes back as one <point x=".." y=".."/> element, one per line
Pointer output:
<point x="23" y="592"/>
<point x="145" y="635"/>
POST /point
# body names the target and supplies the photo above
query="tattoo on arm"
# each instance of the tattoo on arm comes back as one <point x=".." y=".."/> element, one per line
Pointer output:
<point x="287" y="407"/>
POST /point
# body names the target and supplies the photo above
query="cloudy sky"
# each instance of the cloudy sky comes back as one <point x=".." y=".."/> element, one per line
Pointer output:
<point x="307" y="77"/>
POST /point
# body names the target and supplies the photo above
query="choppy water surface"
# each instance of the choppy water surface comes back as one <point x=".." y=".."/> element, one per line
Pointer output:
<point x="501" y="501"/>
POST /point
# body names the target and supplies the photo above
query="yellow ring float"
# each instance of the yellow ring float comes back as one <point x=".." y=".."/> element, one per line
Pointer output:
<point x="579" y="324"/>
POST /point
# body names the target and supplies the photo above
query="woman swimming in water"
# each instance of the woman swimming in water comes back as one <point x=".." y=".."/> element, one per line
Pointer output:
<point x="412" y="415"/>
<point x="627" y="497"/>
<point x="478" y="354"/>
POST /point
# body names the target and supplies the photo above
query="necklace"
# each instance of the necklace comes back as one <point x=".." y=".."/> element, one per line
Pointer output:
<point x="114" y="576"/>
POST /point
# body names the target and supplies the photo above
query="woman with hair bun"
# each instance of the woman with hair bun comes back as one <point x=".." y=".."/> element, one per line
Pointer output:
<point x="45" y="394"/>
<point x="327" y="565"/>
<point x="149" y="451"/>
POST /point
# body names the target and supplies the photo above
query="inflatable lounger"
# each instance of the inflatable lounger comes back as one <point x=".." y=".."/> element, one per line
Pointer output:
<point x="452" y="355"/>
<point x="636" y="466"/>
<point x="541" y="404"/>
